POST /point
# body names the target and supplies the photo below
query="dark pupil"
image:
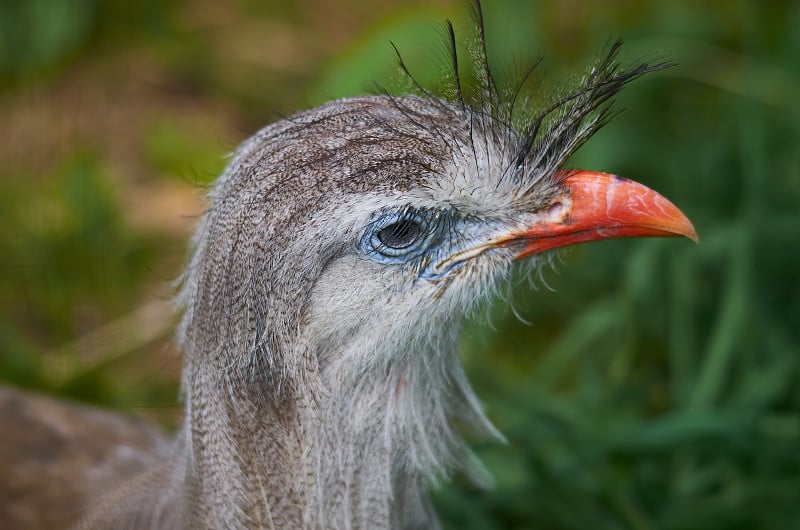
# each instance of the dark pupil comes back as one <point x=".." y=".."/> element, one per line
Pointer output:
<point x="400" y="234"/>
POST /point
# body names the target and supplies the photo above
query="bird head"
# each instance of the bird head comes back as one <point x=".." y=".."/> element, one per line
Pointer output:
<point x="382" y="220"/>
<point x="343" y="246"/>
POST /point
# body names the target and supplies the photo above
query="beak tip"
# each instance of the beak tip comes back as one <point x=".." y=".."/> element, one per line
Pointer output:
<point x="687" y="228"/>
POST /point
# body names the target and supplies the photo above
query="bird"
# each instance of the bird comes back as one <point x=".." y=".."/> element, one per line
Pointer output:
<point x="341" y="250"/>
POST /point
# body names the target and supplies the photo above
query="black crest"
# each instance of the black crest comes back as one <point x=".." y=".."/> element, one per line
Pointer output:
<point x="545" y="134"/>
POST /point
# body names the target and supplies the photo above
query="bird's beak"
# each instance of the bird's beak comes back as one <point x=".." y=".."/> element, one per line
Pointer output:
<point x="592" y="206"/>
<point x="600" y="206"/>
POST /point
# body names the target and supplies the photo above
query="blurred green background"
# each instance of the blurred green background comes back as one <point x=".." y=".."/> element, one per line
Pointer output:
<point x="657" y="385"/>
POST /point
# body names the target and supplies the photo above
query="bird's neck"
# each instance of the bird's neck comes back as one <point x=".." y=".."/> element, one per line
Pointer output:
<point x="350" y="455"/>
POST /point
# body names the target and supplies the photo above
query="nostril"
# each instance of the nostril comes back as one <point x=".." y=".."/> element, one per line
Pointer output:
<point x="556" y="211"/>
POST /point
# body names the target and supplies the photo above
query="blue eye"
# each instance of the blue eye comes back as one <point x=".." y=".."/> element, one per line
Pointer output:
<point x="398" y="236"/>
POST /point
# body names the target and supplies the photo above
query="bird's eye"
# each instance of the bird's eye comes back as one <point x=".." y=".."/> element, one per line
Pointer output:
<point x="401" y="234"/>
<point x="395" y="237"/>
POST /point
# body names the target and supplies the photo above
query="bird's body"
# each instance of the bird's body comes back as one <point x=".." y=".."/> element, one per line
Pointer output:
<point x="56" y="458"/>
<point x="340" y="252"/>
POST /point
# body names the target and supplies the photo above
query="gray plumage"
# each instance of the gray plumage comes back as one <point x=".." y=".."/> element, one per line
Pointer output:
<point x="322" y="382"/>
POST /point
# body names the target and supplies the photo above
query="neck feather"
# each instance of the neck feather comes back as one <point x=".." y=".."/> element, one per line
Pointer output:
<point x="355" y="452"/>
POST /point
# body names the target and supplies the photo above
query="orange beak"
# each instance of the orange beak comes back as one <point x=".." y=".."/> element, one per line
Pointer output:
<point x="596" y="206"/>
